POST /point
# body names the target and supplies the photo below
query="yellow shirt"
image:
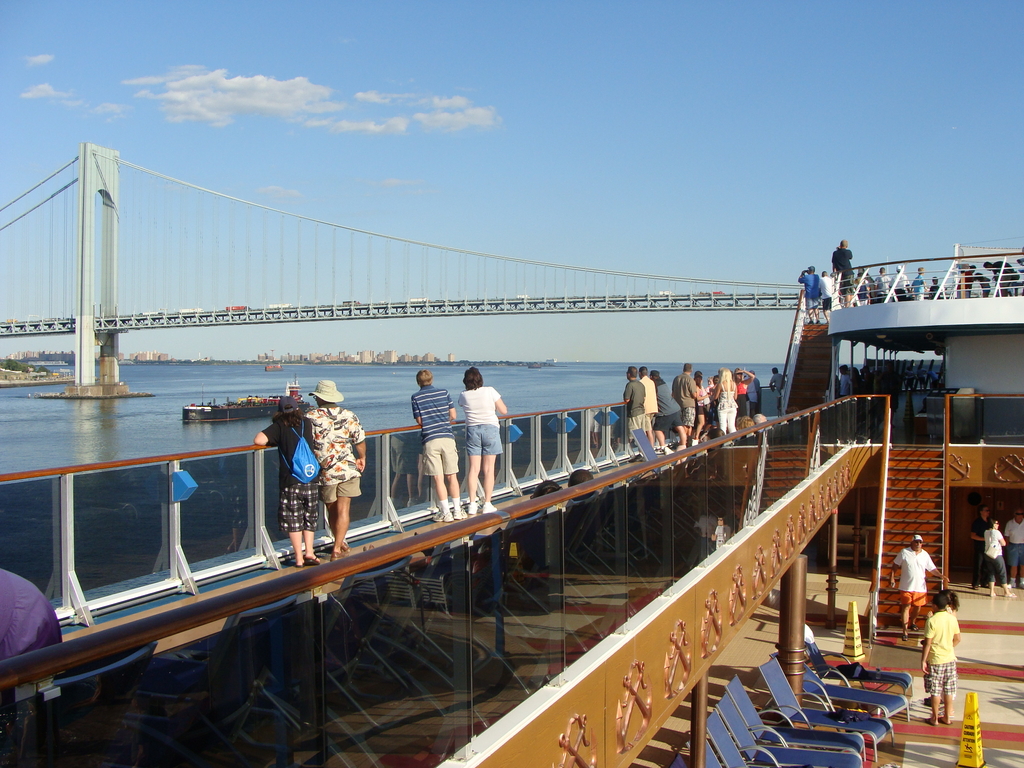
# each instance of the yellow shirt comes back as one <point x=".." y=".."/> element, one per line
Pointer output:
<point x="941" y="628"/>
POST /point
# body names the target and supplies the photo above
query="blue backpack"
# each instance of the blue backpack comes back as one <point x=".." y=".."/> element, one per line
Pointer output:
<point x="304" y="465"/>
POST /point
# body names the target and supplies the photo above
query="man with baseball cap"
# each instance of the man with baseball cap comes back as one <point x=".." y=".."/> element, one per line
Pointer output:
<point x="915" y="564"/>
<point x="339" y="445"/>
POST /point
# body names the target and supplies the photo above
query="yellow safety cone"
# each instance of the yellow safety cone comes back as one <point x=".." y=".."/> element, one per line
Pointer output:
<point x="972" y="754"/>
<point x="853" y="648"/>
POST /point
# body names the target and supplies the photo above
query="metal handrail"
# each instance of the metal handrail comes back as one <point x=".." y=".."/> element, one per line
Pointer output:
<point x="47" y="662"/>
<point x="792" y="352"/>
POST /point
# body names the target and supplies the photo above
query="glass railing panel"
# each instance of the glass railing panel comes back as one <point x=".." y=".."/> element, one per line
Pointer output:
<point x="362" y="511"/>
<point x="593" y="531"/>
<point x="215" y="518"/>
<point x="520" y="460"/>
<point x="620" y="430"/>
<point x="743" y="465"/>
<point x="649" y="542"/>
<point x="120" y="529"/>
<point x="691" y="522"/>
<point x="407" y="485"/>
<point x="1002" y="420"/>
<point x="786" y="460"/>
<point x="517" y="625"/>
<point x="575" y="436"/>
<point x="550" y="427"/>
<point x="31" y="546"/>
<point x="398" y="661"/>
<point x="727" y="477"/>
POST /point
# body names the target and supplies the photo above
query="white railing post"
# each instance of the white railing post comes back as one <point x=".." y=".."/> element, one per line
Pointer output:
<point x="72" y="595"/>
<point x="180" y="570"/>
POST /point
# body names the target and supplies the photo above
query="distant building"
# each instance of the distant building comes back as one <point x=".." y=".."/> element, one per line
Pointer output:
<point x="451" y="357"/>
<point x="430" y="357"/>
<point x="366" y="356"/>
<point x="390" y="356"/>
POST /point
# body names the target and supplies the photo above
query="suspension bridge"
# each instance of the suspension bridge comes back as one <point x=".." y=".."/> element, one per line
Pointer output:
<point x="103" y="246"/>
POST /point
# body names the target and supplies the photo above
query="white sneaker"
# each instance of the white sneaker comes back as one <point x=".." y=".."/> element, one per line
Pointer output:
<point x="488" y="507"/>
<point x="460" y="513"/>
<point x="443" y="516"/>
<point x="472" y="510"/>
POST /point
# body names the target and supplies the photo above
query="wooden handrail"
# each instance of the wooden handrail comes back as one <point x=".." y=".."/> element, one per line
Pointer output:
<point x="47" y="662"/>
<point x="142" y="461"/>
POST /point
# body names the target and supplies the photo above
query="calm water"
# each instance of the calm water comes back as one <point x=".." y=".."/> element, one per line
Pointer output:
<point x="39" y="434"/>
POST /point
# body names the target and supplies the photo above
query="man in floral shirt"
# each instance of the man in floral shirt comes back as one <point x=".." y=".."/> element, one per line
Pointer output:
<point x="339" y="445"/>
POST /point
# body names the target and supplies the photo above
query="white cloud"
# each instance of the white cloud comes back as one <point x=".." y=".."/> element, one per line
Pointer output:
<point x="111" y="110"/>
<point x="44" y="91"/>
<point x="392" y="125"/>
<point x="193" y="94"/>
<point x="376" y="97"/>
<point x="38" y="61"/>
<point x="279" y="193"/>
<point x="471" y="117"/>
<point x="391" y="183"/>
<point x="449" y="102"/>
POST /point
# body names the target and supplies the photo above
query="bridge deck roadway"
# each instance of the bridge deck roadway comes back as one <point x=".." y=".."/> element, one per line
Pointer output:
<point x="433" y="308"/>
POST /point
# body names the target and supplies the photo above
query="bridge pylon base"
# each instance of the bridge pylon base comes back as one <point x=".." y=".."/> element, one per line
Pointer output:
<point x="96" y="392"/>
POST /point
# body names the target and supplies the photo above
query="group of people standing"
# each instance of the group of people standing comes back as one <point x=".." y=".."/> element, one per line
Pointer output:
<point x="690" y="409"/>
<point x="334" y="441"/>
<point x="998" y="558"/>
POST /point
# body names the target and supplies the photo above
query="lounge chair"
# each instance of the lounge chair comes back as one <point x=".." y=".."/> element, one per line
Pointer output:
<point x="787" y="736"/>
<point x="731" y="756"/>
<point x="788" y="706"/>
<point x="751" y="749"/>
<point x="887" y="703"/>
<point x="816" y="658"/>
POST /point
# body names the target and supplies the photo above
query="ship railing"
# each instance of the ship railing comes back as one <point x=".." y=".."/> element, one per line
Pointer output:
<point x="447" y="629"/>
<point x="988" y="419"/>
<point x="793" y="352"/>
<point x="96" y="538"/>
<point x="969" y="275"/>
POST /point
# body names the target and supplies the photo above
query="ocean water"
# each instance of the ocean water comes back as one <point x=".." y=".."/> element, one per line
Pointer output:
<point x="42" y="434"/>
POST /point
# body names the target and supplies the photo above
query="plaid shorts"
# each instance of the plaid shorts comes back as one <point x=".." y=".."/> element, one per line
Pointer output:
<point x="941" y="679"/>
<point x="298" y="507"/>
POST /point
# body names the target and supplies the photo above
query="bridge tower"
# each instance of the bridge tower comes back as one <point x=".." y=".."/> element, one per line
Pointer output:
<point x="98" y="194"/>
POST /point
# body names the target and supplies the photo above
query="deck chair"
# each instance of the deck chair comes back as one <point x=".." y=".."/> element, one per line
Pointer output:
<point x="731" y="756"/>
<point x="888" y="704"/>
<point x="788" y="707"/>
<point x="787" y="736"/>
<point x="753" y="751"/>
<point x="824" y="670"/>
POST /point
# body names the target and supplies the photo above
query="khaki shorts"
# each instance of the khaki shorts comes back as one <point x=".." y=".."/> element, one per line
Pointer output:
<point x="334" y="491"/>
<point x="440" y="457"/>
<point x="643" y="421"/>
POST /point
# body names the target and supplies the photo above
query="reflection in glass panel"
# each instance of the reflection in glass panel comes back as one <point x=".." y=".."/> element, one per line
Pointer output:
<point x="595" y="575"/>
<point x="1002" y="419"/>
<point x="271" y="491"/>
<point x="120" y="528"/>
<point x="574" y="438"/>
<point x="361" y="512"/>
<point x="397" y="661"/>
<point x="786" y="461"/>
<point x="215" y="518"/>
<point x="619" y="426"/>
<point x="550" y="429"/>
<point x="409" y="486"/>
<point x="520" y="460"/>
<point x="595" y="435"/>
<point x="30" y="545"/>
<point x="517" y="612"/>
<point x="648" y="545"/>
<point x="727" y="478"/>
<point x="691" y="522"/>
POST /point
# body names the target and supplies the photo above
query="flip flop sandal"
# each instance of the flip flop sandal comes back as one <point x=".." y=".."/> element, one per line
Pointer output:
<point x="311" y="561"/>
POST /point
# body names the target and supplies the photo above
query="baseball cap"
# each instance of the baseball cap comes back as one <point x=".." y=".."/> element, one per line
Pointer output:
<point x="917" y="537"/>
<point x="287" y="404"/>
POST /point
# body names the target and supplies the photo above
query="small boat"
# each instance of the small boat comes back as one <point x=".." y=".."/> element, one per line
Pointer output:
<point x="274" y="367"/>
<point x="252" y="407"/>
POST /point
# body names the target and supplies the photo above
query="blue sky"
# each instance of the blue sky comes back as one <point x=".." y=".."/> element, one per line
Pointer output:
<point x="739" y="140"/>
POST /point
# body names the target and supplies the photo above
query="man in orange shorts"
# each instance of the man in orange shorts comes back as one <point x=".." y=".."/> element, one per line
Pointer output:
<point x="915" y="564"/>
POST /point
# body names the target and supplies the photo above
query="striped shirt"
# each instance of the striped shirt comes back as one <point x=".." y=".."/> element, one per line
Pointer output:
<point x="432" y="406"/>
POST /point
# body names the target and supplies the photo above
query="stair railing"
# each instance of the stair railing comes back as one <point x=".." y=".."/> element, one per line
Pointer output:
<point x="883" y="492"/>
<point x="794" y="351"/>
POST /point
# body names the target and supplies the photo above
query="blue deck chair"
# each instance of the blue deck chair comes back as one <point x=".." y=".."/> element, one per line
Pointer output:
<point x="730" y="755"/>
<point x="789" y="707"/>
<point x="888" y="704"/>
<point x="816" y="658"/>
<point x="820" y="758"/>
<point x="787" y="736"/>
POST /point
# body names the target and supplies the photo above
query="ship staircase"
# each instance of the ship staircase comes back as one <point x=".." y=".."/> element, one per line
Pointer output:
<point x="913" y="505"/>
<point x="809" y="382"/>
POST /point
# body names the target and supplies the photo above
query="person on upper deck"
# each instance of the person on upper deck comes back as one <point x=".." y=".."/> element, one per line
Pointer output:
<point x="668" y="418"/>
<point x="434" y="411"/>
<point x="812" y="293"/>
<point x="650" y="400"/>
<point x="684" y="392"/>
<point x="634" y="395"/>
<point x="828" y="293"/>
<point x="842" y="267"/>
<point x="725" y="394"/>
<point x="483" y="435"/>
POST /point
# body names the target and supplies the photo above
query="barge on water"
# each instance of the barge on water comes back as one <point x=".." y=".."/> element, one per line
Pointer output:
<point x="252" y="407"/>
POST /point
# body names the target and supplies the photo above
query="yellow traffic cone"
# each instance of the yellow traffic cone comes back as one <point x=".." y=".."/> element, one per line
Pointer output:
<point x="972" y="754"/>
<point x="853" y="648"/>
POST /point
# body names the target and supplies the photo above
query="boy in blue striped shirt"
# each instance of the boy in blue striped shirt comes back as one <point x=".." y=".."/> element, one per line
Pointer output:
<point x="434" y="412"/>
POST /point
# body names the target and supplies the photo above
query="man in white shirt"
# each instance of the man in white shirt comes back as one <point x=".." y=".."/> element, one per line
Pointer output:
<point x="1014" y="550"/>
<point x="915" y="564"/>
<point x="828" y="292"/>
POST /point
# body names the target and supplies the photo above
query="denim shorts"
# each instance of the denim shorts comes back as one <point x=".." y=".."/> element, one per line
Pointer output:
<point x="483" y="440"/>
<point x="1014" y="555"/>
